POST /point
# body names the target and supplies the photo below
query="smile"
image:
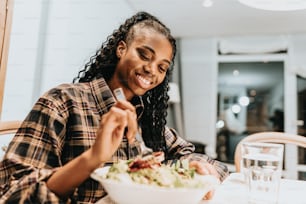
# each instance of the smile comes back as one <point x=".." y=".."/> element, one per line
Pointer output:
<point x="143" y="80"/>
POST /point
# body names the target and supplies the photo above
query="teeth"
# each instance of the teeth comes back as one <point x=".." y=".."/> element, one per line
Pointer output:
<point x="145" y="81"/>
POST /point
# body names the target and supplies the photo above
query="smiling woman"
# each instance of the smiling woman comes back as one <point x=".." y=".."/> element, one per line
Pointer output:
<point x="74" y="128"/>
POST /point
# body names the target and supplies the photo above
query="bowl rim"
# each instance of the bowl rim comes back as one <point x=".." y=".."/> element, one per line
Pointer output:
<point x="98" y="174"/>
<point x="177" y="195"/>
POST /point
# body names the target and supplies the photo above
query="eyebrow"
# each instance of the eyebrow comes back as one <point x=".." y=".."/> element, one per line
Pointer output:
<point x="153" y="51"/>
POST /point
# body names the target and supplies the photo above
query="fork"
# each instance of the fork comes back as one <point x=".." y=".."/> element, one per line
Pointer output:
<point x="144" y="150"/>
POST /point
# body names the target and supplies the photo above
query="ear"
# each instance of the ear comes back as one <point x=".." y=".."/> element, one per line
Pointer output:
<point x="121" y="48"/>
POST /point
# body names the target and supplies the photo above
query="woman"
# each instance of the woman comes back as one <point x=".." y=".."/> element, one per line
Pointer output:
<point x="75" y="128"/>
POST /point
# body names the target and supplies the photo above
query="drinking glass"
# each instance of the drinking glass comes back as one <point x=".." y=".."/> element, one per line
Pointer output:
<point x="262" y="166"/>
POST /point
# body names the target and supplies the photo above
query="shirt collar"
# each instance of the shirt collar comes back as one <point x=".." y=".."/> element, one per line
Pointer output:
<point x="105" y="99"/>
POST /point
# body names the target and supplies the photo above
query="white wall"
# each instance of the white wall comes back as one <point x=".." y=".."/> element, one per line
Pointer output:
<point x="21" y="62"/>
<point x="50" y="42"/>
<point x="76" y="29"/>
<point x="298" y="53"/>
<point x="199" y="79"/>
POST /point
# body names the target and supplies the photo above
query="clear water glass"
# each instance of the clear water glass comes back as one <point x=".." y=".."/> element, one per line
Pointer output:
<point x="262" y="166"/>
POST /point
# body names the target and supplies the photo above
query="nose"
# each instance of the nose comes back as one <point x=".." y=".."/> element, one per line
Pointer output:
<point x="149" y="69"/>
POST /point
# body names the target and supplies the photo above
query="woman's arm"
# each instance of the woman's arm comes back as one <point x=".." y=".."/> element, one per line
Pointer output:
<point x="178" y="147"/>
<point x="33" y="165"/>
<point x="109" y="136"/>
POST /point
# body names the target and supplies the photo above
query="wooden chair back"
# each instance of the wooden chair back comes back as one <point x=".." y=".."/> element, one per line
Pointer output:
<point x="273" y="137"/>
<point x="7" y="128"/>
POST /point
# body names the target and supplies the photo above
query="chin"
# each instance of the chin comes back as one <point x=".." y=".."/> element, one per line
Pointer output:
<point x="140" y="92"/>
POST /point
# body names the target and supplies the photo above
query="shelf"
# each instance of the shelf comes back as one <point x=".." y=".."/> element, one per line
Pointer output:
<point x="252" y="58"/>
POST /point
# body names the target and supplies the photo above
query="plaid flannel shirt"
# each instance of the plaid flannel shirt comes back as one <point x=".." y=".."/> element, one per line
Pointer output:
<point x="62" y="125"/>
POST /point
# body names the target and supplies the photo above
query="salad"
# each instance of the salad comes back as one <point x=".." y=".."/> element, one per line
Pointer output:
<point x="150" y="171"/>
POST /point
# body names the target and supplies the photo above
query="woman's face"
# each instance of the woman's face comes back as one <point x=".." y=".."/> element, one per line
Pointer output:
<point x="143" y="62"/>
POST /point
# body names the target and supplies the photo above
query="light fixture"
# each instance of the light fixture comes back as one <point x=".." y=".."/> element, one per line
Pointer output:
<point x="236" y="108"/>
<point x="236" y="72"/>
<point x="244" y="101"/>
<point x="220" y="124"/>
<point x="275" y="5"/>
<point x="207" y="3"/>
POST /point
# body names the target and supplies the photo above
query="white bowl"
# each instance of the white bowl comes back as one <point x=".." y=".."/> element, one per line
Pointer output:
<point x="132" y="193"/>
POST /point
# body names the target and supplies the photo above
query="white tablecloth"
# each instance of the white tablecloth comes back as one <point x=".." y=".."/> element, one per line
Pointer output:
<point x="234" y="191"/>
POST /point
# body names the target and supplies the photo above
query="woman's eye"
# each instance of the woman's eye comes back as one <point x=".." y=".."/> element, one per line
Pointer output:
<point x="162" y="68"/>
<point x="143" y="55"/>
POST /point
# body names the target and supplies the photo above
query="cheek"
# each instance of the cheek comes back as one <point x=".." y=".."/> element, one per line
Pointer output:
<point x="160" y="79"/>
<point x="131" y="63"/>
<point x="124" y="65"/>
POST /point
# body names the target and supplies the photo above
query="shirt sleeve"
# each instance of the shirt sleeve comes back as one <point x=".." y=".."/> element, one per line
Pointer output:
<point x="30" y="187"/>
<point x="180" y="148"/>
<point x="32" y="156"/>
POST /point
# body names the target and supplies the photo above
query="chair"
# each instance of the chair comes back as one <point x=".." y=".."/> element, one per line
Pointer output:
<point x="7" y="128"/>
<point x="273" y="137"/>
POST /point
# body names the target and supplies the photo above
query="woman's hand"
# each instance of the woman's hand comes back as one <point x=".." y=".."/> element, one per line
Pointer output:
<point x="205" y="169"/>
<point x="121" y="119"/>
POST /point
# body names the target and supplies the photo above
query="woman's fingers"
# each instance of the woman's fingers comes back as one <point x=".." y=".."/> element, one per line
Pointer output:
<point x="200" y="168"/>
<point x="205" y="169"/>
<point x="209" y="195"/>
<point x="115" y="118"/>
<point x="113" y="125"/>
<point x="119" y="121"/>
<point x="132" y="125"/>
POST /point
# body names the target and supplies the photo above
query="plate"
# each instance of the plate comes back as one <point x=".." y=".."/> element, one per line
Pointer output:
<point x="132" y="193"/>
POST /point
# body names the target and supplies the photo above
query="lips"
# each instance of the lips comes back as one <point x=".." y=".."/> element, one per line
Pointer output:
<point x="143" y="82"/>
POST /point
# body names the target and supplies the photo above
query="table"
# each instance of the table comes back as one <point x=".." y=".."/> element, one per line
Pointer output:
<point x="234" y="191"/>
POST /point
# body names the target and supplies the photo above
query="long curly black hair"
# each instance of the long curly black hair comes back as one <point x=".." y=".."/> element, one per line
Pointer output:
<point x="103" y="64"/>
